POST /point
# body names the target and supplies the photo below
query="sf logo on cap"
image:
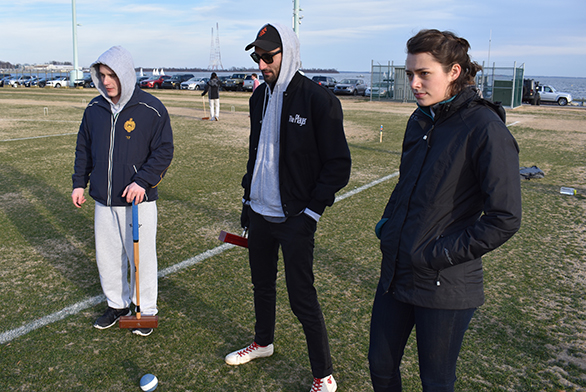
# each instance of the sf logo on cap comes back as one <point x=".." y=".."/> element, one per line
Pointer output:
<point x="262" y="32"/>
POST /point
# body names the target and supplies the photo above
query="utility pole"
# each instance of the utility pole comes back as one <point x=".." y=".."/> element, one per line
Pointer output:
<point x="73" y="75"/>
<point x="296" y="17"/>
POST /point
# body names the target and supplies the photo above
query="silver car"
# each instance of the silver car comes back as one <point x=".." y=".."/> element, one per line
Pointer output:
<point x="194" y="83"/>
<point x="350" y="87"/>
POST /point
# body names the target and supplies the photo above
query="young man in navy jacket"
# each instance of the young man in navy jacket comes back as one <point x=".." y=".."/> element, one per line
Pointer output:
<point x="124" y="147"/>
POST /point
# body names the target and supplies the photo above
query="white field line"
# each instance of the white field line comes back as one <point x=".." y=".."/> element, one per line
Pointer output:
<point x="513" y="123"/>
<point x="10" y="335"/>
<point x="365" y="187"/>
<point x="37" y="137"/>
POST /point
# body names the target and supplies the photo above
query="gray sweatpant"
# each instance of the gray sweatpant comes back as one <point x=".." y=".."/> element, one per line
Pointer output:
<point x="115" y="253"/>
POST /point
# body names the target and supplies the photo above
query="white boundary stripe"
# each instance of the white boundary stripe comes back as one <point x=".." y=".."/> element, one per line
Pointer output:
<point x="365" y="187"/>
<point x="39" y="120"/>
<point x="194" y="260"/>
<point x="513" y="123"/>
<point x="37" y="137"/>
<point x="8" y="336"/>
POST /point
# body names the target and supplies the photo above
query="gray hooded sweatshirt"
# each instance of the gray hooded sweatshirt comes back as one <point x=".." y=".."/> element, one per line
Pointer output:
<point x="120" y="61"/>
<point x="265" y="196"/>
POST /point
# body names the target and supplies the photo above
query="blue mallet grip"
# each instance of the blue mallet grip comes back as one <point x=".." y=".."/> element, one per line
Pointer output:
<point x="134" y="221"/>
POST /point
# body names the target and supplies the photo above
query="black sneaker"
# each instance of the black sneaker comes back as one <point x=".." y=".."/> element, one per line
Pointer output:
<point x="142" y="331"/>
<point x="110" y="317"/>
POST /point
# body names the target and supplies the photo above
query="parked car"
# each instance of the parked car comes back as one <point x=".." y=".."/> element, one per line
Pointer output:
<point x="350" y="87"/>
<point x="4" y="77"/>
<point x="175" y="81"/>
<point x="247" y="85"/>
<point x="84" y="82"/>
<point x="325" y="81"/>
<point x="235" y="82"/>
<point x="550" y="94"/>
<point x="140" y="79"/>
<point x="41" y="82"/>
<point x="31" y="81"/>
<point x="530" y="93"/>
<point x="24" y="79"/>
<point x="378" y="91"/>
<point x="223" y="81"/>
<point x="58" y="81"/>
<point x="19" y="80"/>
<point x="154" y="81"/>
<point x="194" y="83"/>
<point x="88" y="82"/>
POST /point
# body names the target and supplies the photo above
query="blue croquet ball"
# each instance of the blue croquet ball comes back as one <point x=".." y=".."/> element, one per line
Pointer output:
<point x="149" y="382"/>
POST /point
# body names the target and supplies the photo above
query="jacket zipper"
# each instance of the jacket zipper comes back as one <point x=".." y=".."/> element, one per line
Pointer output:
<point x="113" y="120"/>
<point x="427" y="136"/>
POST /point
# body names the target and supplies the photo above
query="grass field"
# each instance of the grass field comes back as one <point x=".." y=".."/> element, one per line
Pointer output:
<point x="529" y="336"/>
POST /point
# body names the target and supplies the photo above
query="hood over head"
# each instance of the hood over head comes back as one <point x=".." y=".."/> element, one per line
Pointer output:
<point x="291" y="61"/>
<point x="265" y="195"/>
<point x="120" y="61"/>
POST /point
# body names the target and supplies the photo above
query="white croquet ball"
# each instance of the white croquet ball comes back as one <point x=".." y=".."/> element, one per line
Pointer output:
<point x="149" y="382"/>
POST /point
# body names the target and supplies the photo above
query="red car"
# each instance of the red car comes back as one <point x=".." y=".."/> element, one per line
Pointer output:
<point x="154" y="81"/>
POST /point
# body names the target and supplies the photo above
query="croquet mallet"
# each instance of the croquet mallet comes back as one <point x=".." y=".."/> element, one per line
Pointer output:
<point x="137" y="321"/>
<point x="234" y="239"/>
<point x="204" y="109"/>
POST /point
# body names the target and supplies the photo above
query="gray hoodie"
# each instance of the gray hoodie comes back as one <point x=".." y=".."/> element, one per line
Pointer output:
<point x="120" y="61"/>
<point x="265" y="197"/>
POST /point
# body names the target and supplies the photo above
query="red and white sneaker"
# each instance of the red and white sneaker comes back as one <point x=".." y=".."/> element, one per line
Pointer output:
<point x="326" y="384"/>
<point x="249" y="353"/>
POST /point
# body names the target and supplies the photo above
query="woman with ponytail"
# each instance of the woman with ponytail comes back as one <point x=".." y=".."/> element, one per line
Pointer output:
<point x="458" y="198"/>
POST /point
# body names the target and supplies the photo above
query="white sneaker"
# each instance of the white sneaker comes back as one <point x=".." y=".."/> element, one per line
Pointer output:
<point x="249" y="353"/>
<point x="326" y="384"/>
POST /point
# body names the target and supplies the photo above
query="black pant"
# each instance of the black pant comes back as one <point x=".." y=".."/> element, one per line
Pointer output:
<point x="439" y="333"/>
<point x="296" y="238"/>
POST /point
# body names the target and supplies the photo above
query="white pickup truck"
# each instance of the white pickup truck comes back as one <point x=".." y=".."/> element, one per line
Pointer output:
<point x="550" y="94"/>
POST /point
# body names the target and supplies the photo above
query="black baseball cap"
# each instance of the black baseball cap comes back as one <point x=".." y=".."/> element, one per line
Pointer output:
<point x="268" y="39"/>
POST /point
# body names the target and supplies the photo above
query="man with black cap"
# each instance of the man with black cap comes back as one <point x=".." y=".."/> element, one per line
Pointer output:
<point x="298" y="160"/>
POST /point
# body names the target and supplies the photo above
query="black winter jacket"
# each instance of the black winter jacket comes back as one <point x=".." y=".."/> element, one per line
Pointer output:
<point x="458" y="197"/>
<point x="314" y="156"/>
<point x="213" y="87"/>
<point x="136" y="145"/>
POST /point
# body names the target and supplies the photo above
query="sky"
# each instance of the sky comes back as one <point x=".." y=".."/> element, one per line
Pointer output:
<point x="346" y="35"/>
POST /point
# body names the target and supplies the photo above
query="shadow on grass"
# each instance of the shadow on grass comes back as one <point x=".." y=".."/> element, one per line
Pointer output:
<point x="51" y="226"/>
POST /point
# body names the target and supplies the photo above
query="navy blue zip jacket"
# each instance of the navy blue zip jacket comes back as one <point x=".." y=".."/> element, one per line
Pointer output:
<point x="458" y="197"/>
<point x="135" y="145"/>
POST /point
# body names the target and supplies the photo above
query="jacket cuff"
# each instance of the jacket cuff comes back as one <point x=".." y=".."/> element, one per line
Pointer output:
<point x="316" y="207"/>
<point x="313" y="215"/>
<point x="141" y="183"/>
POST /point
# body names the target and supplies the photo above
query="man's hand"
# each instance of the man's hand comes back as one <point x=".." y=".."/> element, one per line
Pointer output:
<point x="134" y="192"/>
<point x="78" y="197"/>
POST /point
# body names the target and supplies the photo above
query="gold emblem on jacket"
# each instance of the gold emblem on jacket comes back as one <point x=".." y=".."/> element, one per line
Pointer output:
<point x="129" y="125"/>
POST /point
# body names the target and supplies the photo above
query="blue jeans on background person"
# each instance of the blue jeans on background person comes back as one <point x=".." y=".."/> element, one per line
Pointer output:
<point x="439" y="334"/>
